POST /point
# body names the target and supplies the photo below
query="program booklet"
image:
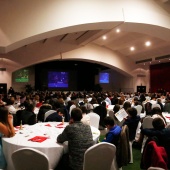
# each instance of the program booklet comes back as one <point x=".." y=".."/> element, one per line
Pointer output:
<point x="121" y="114"/>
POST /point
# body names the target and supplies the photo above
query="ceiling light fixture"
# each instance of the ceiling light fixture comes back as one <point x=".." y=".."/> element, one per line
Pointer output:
<point x="104" y="37"/>
<point x="117" y="30"/>
<point x="132" y="48"/>
<point x="148" y="43"/>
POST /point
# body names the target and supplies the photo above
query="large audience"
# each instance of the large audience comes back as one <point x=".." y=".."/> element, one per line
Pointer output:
<point x="30" y="108"/>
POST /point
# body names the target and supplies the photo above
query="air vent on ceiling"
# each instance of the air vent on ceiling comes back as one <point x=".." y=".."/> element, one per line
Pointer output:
<point x="141" y="75"/>
<point x="162" y="57"/>
<point x="144" y="61"/>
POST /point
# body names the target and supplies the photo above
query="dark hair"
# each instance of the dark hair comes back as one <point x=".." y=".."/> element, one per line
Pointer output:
<point x="109" y="121"/>
<point x="62" y="111"/>
<point x="158" y="123"/>
<point x="76" y="114"/>
<point x="116" y="108"/>
<point x="157" y="110"/>
<point x="132" y="112"/>
<point x="126" y="105"/>
<point x="103" y="103"/>
<point x="3" y="115"/>
<point x="84" y="109"/>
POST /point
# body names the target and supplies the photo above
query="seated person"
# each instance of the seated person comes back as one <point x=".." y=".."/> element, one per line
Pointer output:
<point x="56" y="116"/>
<point x="162" y="133"/>
<point x="113" y="131"/>
<point x="132" y="121"/>
<point x="102" y="112"/>
<point x="43" y="109"/>
<point x="79" y="137"/>
<point x="156" y="112"/>
<point x="27" y="115"/>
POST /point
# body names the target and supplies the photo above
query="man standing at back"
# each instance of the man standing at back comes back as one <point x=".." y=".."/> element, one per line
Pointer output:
<point x="79" y="137"/>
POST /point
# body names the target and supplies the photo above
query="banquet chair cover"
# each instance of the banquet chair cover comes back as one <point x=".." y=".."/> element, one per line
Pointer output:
<point x="94" y="119"/>
<point x="71" y="108"/>
<point x="99" y="156"/>
<point x="29" y="159"/>
<point x="111" y="114"/>
<point x="155" y="105"/>
<point x="139" y="109"/>
<point x="49" y="112"/>
<point x="155" y="168"/>
<point x="147" y="123"/>
<point x="131" y="142"/>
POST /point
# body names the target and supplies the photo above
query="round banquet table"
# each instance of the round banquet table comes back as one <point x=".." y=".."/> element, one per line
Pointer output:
<point x="50" y="147"/>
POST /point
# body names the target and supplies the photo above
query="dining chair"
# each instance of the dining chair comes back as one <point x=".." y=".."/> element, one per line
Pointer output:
<point x="94" y="119"/>
<point x="147" y="123"/>
<point x="49" y="112"/>
<point x="155" y="105"/>
<point x="139" y="109"/>
<point x="131" y="142"/>
<point x="99" y="157"/>
<point x="155" y="168"/>
<point x="71" y="108"/>
<point x="29" y="159"/>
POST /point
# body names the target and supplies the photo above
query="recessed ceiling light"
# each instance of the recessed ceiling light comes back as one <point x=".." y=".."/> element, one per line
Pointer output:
<point x="148" y="43"/>
<point x="132" y="48"/>
<point x="117" y="30"/>
<point x="104" y="37"/>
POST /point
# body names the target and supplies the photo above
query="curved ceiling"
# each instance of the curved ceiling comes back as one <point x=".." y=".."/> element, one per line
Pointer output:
<point x="28" y="34"/>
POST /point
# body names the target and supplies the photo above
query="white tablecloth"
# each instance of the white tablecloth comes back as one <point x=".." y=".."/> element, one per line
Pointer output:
<point x="50" y="147"/>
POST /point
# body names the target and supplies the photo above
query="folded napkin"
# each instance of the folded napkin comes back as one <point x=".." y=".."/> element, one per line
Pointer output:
<point x="60" y="125"/>
<point x="38" y="139"/>
<point x="48" y="125"/>
<point x="167" y="117"/>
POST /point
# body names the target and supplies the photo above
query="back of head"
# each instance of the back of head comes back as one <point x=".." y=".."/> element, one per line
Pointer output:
<point x="103" y="104"/>
<point x="158" y="123"/>
<point x="109" y="121"/>
<point x="76" y="114"/>
<point x="132" y="112"/>
<point x="30" y="107"/>
<point x="84" y="109"/>
<point x="116" y="108"/>
<point x="156" y="110"/>
<point x="3" y="114"/>
<point x="126" y="105"/>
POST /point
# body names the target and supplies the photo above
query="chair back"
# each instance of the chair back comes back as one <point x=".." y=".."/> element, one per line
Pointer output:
<point x="147" y="122"/>
<point x="94" y="119"/>
<point x="99" y="156"/>
<point x="29" y="159"/>
<point x="71" y="108"/>
<point x="49" y="112"/>
<point x="139" y="109"/>
<point x="156" y="105"/>
<point x="155" y="168"/>
<point x="111" y="113"/>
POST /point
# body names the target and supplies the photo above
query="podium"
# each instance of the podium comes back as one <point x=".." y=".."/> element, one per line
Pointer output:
<point x="141" y="89"/>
